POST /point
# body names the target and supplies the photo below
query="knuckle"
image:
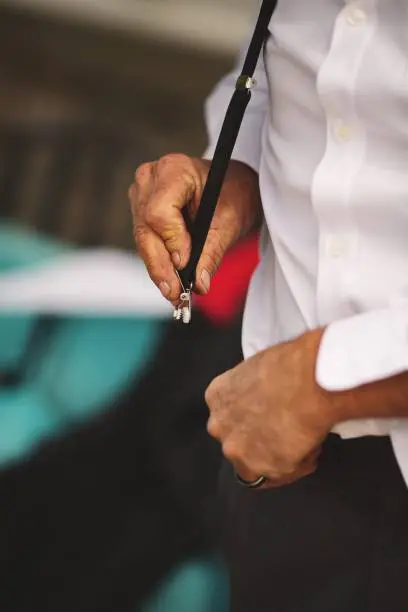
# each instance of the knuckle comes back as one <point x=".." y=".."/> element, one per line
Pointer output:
<point x="208" y="396"/>
<point x="131" y="192"/>
<point x="172" y="230"/>
<point x="173" y="159"/>
<point x="153" y="215"/>
<point x="213" y="428"/>
<point x="164" y="222"/>
<point x="212" y="393"/>
<point x="176" y="171"/>
<point x="231" y="451"/>
<point x="134" y="199"/>
<point x="143" y="172"/>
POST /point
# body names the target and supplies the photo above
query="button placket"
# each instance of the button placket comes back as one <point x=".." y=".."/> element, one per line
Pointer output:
<point x="345" y="150"/>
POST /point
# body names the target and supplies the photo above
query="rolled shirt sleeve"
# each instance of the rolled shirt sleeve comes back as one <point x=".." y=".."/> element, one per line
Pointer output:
<point x="363" y="349"/>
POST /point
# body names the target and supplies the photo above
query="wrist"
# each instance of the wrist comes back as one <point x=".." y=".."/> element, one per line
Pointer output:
<point x="340" y="405"/>
<point x="335" y="406"/>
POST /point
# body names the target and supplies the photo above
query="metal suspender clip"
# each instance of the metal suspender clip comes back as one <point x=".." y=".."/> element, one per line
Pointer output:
<point x="244" y="82"/>
<point x="183" y="311"/>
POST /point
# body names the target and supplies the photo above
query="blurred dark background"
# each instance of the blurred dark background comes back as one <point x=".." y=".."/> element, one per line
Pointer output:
<point x="90" y="98"/>
<point x="108" y="479"/>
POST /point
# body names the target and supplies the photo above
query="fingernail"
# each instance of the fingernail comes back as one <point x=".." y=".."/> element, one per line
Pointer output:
<point x="176" y="259"/>
<point x="206" y="280"/>
<point x="165" y="289"/>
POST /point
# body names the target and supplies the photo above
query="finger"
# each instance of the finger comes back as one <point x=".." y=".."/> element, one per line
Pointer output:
<point x="245" y="473"/>
<point x="226" y="227"/>
<point x="139" y="191"/>
<point x="176" y="184"/>
<point x="306" y="468"/>
<point x="217" y="243"/>
<point x="217" y="426"/>
<point x="232" y="452"/>
<point x="152" y="183"/>
<point x="158" y="262"/>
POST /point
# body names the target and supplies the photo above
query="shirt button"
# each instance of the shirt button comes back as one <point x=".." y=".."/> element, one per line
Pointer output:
<point x="344" y="132"/>
<point x="336" y="246"/>
<point x="356" y="16"/>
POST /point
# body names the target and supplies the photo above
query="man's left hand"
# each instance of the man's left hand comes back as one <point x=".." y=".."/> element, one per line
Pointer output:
<point x="269" y="413"/>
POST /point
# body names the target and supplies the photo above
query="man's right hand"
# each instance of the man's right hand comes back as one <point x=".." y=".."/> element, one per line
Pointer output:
<point x="158" y="195"/>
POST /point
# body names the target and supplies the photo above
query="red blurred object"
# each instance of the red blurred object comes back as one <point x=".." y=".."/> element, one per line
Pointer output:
<point x="230" y="283"/>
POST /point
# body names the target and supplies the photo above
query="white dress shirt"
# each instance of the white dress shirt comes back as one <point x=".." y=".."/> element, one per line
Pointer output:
<point x="327" y="131"/>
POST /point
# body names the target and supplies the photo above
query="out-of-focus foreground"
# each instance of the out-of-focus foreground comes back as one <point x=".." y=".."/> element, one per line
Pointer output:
<point x="107" y="479"/>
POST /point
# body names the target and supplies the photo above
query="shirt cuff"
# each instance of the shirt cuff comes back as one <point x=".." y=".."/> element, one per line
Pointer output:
<point x="363" y="349"/>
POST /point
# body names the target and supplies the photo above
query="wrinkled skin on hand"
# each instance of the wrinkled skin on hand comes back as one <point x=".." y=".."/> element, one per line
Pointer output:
<point x="270" y="415"/>
<point x="160" y="192"/>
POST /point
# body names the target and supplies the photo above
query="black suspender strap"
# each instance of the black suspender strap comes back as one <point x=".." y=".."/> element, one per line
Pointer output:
<point x="225" y="145"/>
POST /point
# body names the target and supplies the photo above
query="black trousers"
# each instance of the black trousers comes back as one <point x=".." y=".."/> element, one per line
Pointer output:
<point x="336" y="541"/>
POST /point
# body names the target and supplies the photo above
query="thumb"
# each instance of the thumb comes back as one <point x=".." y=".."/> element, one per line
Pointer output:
<point x="216" y="246"/>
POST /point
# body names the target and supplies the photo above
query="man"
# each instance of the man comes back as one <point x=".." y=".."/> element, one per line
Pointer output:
<point x="319" y="407"/>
